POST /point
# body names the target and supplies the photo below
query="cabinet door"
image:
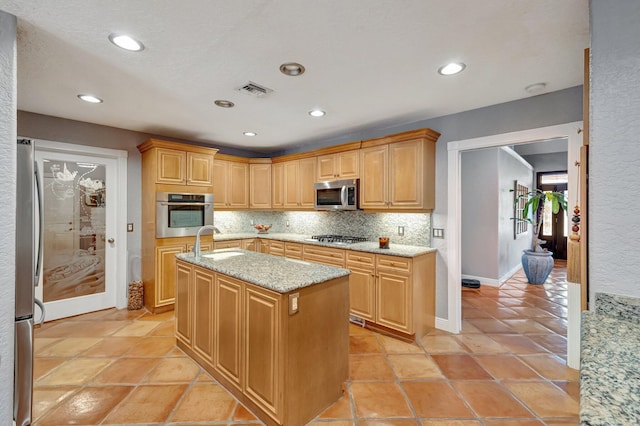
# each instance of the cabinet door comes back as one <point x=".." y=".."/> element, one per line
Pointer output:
<point x="199" y="169"/>
<point x="374" y="177"/>
<point x="238" y="186"/>
<point x="362" y="293"/>
<point x="184" y="301"/>
<point x="276" y="248"/>
<point x="166" y="273"/>
<point x="307" y="176"/>
<point x="293" y="250"/>
<point x="203" y="313"/>
<point x="262" y="351"/>
<point x="204" y="246"/>
<point x="171" y="166"/>
<point x="291" y="184"/>
<point x="260" y="186"/>
<point x="227" y="328"/>
<point x="252" y="244"/>
<point x="406" y="175"/>
<point x="220" y="177"/>
<point x="348" y="164"/>
<point x="228" y="244"/>
<point x="393" y="301"/>
<point x="326" y="167"/>
<point x="277" y="185"/>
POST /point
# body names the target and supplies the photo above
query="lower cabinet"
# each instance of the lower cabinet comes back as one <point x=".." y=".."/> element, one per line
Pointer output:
<point x="243" y="334"/>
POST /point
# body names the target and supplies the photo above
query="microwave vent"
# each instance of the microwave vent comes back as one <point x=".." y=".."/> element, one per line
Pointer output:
<point x="255" y="89"/>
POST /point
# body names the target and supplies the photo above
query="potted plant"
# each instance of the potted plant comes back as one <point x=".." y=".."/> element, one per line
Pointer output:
<point x="537" y="262"/>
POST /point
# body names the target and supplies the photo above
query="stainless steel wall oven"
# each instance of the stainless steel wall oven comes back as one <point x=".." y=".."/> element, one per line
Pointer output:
<point x="181" y="215"/>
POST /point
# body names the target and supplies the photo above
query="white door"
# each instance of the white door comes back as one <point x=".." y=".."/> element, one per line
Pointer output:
<point x="79" y="200"/>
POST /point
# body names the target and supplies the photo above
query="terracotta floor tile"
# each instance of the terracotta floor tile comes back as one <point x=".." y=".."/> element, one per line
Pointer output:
<point x="173" y="370"/>
<point x="388" y="423"/>
<point x="468" y="313"/>
<point x="395" y="346"/>
<point x="412" y="367"/>
<point x="40" y="343"/>
<point x="330" y="423"/>
<point x="573" y="421"/>
<point x="68" y="347"/>
<point x="147" y="404"/>
<point x="451" y="423"/>
<point x="204" y="377"/>
<point x="363" y="344"/>
<point x="46" y="397"/>
<point x="355" y="330"/>
<point x="468" y="328"/>
<point x="164" y="316"/>
<point x="513" y="422"/>
<point x="491" y="325"/>
<point x="557" y="325"/>
<point x="545" y="399"/>
<point x="339" y="410"/>
<point x="379" y="400"/>
<point x="506" y="367"/>
<point x="490" y="399"/>
<point x="551" y="367"/>
<point x="87" y="407"/>
<point x="570" y="388"/>
<point x="42" y="366"/>
<point x="518" y="344"/>
<point x="152" y="346"/>
<point x="480" y="343"/>
<point x="442" y="344"/>
<point x="111" y="347"/>
<point x="531" y="312"/>
<point x="76" y="371"/>
<point x="436" y="400"/>
<point x="205" y="402"/>
<point x="503" y="313"/>
<point x="369" y="367"/>
<point x="125" y="371"/>
<point x="167" y="328"/>
<point x="460" y="367"/>
<point x="527" y="326"/>
<point x="552" y="342"/>
<point x="137" y="329"/>
<point x="242" y="414"/>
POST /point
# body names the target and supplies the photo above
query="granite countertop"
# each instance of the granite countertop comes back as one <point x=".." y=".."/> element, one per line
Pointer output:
<point x="271" y="272"/>
<point x="609" y="371"/>
<point x="367" y="246"/>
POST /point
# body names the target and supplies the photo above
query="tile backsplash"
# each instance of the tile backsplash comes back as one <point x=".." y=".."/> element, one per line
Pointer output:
<point x="417" y="226"/>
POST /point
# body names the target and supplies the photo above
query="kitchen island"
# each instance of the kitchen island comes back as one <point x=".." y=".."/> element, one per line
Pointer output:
<point x="273" y="331"/>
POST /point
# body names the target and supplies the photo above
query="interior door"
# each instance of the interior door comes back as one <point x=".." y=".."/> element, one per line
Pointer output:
<point x="555" y="226"/>
<point x="78" y="274"/>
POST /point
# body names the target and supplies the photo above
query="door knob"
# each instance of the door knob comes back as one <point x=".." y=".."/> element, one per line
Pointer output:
<point x="111" y="240"/>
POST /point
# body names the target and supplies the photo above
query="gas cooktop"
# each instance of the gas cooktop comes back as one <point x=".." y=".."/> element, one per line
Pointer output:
<point x="345" y="239"/>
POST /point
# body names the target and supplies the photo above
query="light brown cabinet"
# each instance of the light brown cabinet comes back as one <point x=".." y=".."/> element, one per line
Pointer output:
<point x="230" y="184"/>
<point x="298" y="179"/>
<point x="398" y="172"/>
<point x="341" y="165"/>
<point x="362" y="296"/>
<point x="276" y="248"/>
<point x="277" y="185"/>
<point x="243" y="335"/>
<point x="293" y="250"/>
<point x="228" y="244"/>
<point x="325" y="255"/>
<point x="177" y="167"/>
<point x="260" y="185"/>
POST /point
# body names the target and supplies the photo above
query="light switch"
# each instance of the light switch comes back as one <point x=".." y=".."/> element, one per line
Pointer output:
<point x="438" y="233"/>
<point x="293" y="303"/>
<point x="129" y="227"/>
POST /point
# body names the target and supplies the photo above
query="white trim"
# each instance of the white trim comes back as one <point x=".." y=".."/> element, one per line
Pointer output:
<point x="483" y="280"/>
<point x="510" y="273"/>
<point x="517" y="156"/>
<point x="444" y="324"/>
<point x="120" y="157"/>
<point x="454" y="214"/>
<point x="574" y="320"/>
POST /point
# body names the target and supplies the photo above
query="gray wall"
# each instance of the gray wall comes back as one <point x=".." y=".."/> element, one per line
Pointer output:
<point x="552" y="162"/>
<point x="8" y="95"/>
<point x="614" y="158"/>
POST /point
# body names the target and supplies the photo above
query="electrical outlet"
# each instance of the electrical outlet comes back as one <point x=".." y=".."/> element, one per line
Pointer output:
<point x="293" y="303"/>
<point x="287" y="224"/>
<point x="438" y="233"/>
<point x="401" y="230"/>
<point x="129" y="227"/>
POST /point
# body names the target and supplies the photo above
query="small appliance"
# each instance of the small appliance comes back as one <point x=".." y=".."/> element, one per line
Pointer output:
<point x="337" y="194"/>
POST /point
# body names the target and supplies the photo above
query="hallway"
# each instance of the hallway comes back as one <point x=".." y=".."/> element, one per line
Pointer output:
<point x="507" y="367"/>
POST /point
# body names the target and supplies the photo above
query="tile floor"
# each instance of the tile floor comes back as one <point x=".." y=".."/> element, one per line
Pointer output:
<point x="507" y="367"/>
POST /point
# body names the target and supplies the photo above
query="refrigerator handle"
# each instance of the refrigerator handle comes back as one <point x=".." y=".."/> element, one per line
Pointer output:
<point x="42" y="311"/>
<point x="40" y="227"/>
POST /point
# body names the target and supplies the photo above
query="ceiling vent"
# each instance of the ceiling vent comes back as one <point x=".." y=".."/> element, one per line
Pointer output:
<point x="254" y="89"/>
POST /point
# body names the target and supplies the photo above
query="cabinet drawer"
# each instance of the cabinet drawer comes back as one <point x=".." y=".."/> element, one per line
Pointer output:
<point x="293" y="250"/>
<point x="394" y="263"/>
<point x="360" y="259"/>
<point x="276" y="248"/>
<point x="325" y="255"/>
<point x="228" y="244"/>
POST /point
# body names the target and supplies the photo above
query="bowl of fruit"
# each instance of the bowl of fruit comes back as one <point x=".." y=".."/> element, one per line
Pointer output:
<point x="262" y="229"/>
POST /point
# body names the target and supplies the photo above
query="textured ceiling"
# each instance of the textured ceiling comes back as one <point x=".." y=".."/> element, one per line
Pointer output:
<point x="370" y="63"/>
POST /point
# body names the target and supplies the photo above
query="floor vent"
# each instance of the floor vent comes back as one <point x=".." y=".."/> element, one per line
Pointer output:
<point x="254" y="89"/>
<point x="356" y="320"/>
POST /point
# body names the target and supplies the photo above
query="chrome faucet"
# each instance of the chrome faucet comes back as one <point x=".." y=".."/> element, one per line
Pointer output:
<point x="196" y="248"/>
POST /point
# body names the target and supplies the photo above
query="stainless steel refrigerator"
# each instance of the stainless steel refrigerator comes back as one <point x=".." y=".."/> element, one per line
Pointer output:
<point x="28" y="266"/>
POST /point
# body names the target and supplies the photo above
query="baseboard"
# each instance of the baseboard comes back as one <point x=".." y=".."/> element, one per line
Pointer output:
<point x="445" y="325"/>
<point x="483" y="280"/>
<point x="511" y="273"/>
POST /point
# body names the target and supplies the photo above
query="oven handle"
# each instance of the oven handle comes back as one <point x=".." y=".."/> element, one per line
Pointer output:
<point x="186" y="204"/>
<point x="343" y="195"/>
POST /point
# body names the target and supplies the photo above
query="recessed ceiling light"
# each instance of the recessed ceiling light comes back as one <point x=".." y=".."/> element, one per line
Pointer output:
<point x="126" y="42"/>
<point x="224" y="104"/>
<point x="91" y="99"/>
<point x="452" y="68"/>
<point x="316" y="113"/>
<point x="535" y="88"/>
<point x="292" y="68"/>
<point x="249" y="133"/>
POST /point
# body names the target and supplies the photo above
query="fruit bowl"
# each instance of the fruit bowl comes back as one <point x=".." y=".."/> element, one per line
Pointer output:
<point x="262" y="229"/>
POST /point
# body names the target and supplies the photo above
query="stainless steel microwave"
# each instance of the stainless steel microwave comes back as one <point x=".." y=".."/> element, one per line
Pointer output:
<point x="337" y="195"/>
<point x="182" y="215"/>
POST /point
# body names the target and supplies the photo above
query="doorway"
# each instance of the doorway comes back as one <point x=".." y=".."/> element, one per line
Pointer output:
<point x="555" y="227"/>
<point x="82" y="195"/>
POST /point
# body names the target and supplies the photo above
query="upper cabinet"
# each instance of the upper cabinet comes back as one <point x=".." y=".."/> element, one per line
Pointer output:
<point x="293" y="183"/>
<point x="260" y="183"/>
<point x="230" y="182"/>
<point x="398" y="172"/>
<point x="341" y="165"/>
<point x="179" y="167"/>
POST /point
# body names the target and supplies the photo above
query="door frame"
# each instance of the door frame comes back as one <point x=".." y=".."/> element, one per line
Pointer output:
<point x="120" y="231"/>
<point x="571" y="131"/>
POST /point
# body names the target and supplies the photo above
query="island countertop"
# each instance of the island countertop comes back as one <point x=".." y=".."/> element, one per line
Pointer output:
<point x="402" y="250"/>
<point x="271" y="272"/>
